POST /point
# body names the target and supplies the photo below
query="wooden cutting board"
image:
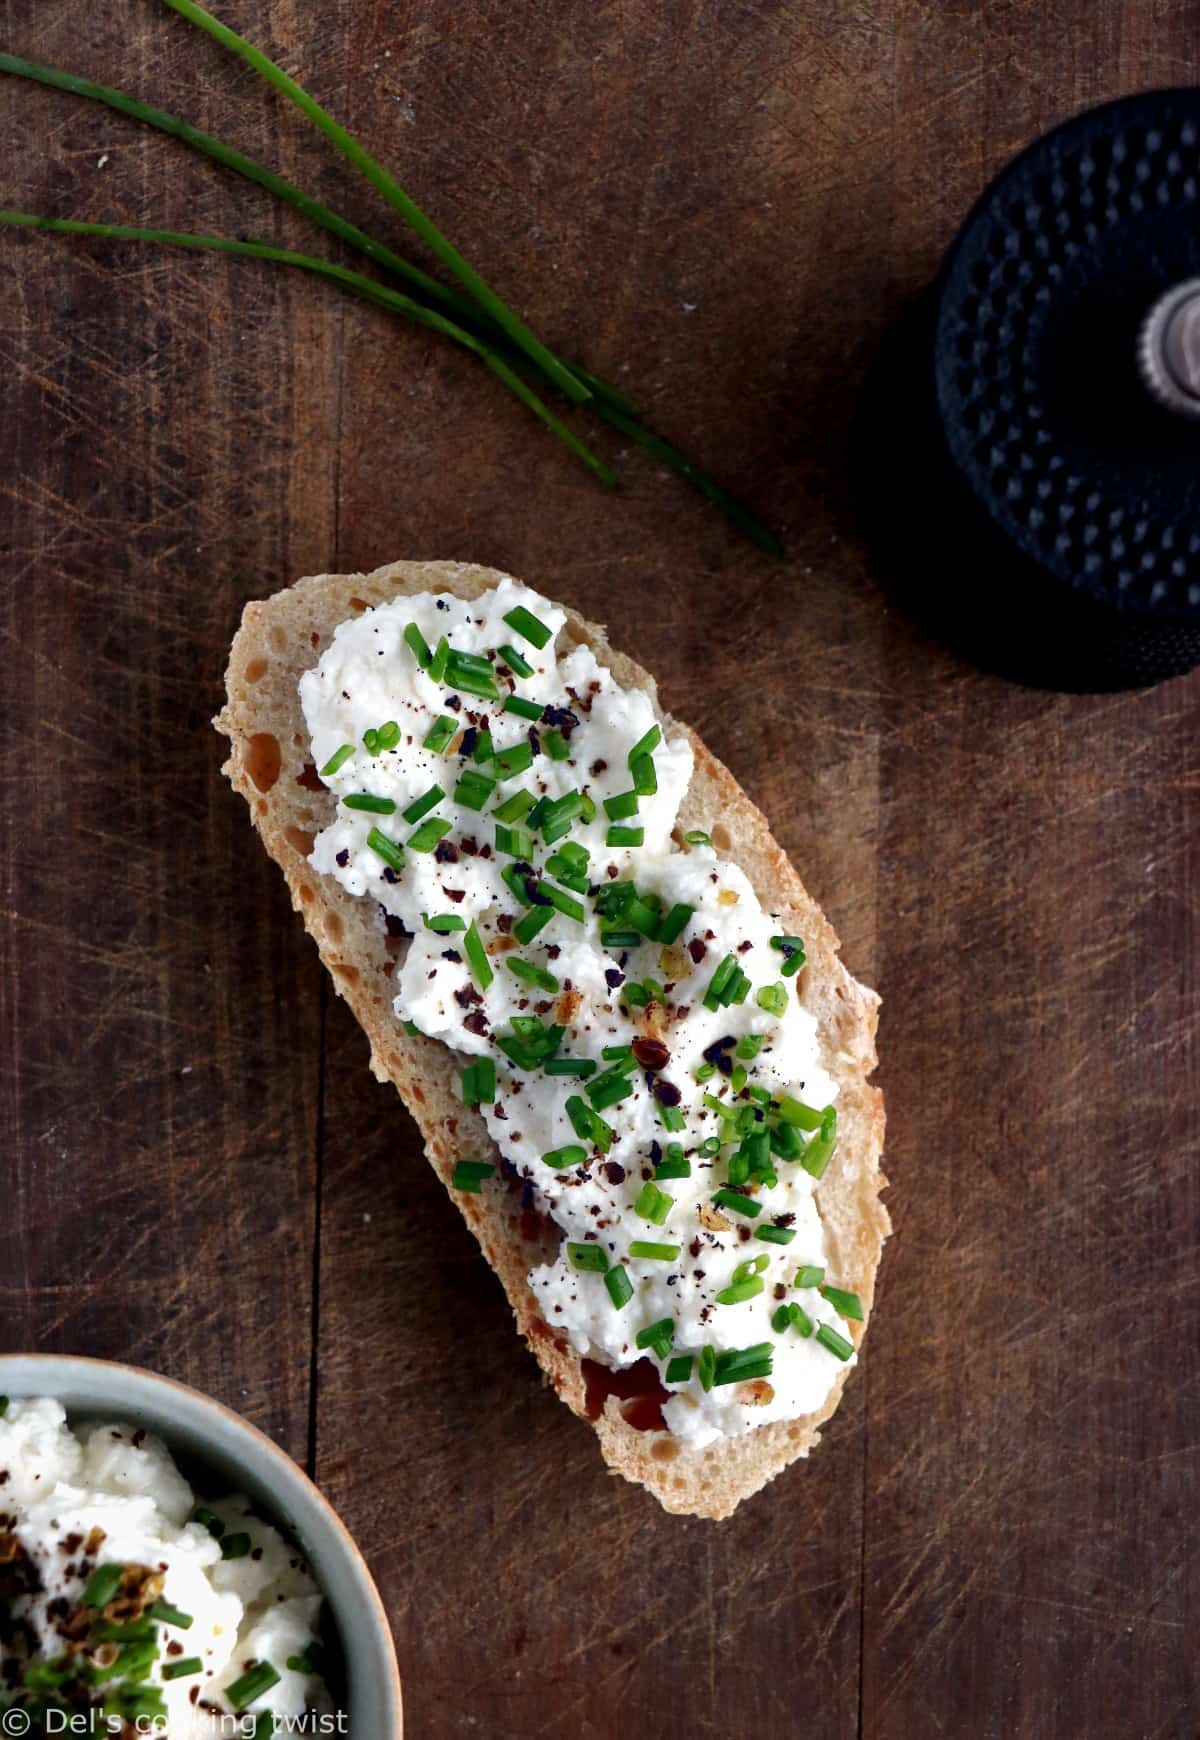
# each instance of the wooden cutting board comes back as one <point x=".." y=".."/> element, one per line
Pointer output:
<point x="723" y="204"/>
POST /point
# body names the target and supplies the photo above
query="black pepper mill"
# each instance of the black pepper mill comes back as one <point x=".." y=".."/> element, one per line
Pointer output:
<point x="1028" y="456"/>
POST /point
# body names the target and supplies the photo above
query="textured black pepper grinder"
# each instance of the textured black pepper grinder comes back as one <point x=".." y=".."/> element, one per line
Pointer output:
<point x="1028" y="455"/>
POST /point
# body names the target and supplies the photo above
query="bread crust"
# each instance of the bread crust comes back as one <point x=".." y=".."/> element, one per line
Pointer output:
<point x="284" y="635"/>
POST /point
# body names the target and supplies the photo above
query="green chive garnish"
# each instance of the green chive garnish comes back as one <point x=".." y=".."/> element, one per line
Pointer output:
<point x="845" y="1304"/>
<point x="516" y="662"/>
<point x="708" y="1367"/>
<point x="469" y="1175"/>
<point x="609" y="1089"/>
<point x="776" y="1235"/>
<point x="484" y="748"/>
<point x="625" y="837"/>
<point x="588" y="1126"/>
<point x="510" y="762"/>
<point x="653" y="1204"/>
<point x="809" y="1276"/>
<point x="577" y="1066"/>
<point x="418" y="645"/>
<point x="473" y="789"/>
<point x="514" y="842"/>
<point x="439" y="660"/>
<point x="4" y="1401"/>
<point x="531" y="973"/>
<point x="556" y="745"/>
<point x="181" y="1670"/>
<point x="471" y="674"/>
<point x="210" y="1520"/>
<point x="673" y="1168"/>
<point x="749" y="1046"/>
<point x="739" y="1204"/>
<point x="680" y="1369"/>
<point x="741" y="1363"/>
<point x="479" y="1082"/>
<point x="236" y="1546"/>
<point x="645" y="745"/>
<point x="624" y="804"/>
<point x="375" y="806"/>
<point x="645" y="778"/>
<point x="836" y="1344"/>
<point x="588" y="1257"/>
<point x="168" y="1615"/>
<point x="652" y="1253"/>
<point x="739" y="1291"/>
<point x="562" y="902"/>
<point x="426" y="837"/>
<point x="443" y="922"/>
<point x="102" y="1585"/>
<point x="619" y="939"/>
<point x="392" y="855"/>
<point x="522" y="622"/>
<point x="620" y="1287"/>
<point x="772" y="998"/>
<point x="441" y="734"/>
<point x="715" y="995"/>
<point x="336" y="760"/>
<point x="657" y="1336"/>
<point x="671" y="927"/>
<point x="796" y="1112"/>
<point x="262" y="1677"/>
<point x="514" y="808"/>
<point x="522" y="708"/>
<point x="531" y="922"/>
<point x="697" y="837"/>
<point x="563" y="1159"/>
<point x="477" y="960"/>
<point x="819" y="1152"/>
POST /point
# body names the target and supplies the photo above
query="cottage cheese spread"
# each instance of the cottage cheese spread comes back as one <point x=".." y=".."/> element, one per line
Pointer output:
<point x="699" y="1069"/>
<point x="75" y="1501"/>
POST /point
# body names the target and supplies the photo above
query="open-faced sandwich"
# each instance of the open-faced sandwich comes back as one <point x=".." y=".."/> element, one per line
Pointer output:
<point x="618" y="1019"/>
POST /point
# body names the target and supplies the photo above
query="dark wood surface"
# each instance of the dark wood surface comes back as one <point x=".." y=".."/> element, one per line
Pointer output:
<point x="725" y="203"/>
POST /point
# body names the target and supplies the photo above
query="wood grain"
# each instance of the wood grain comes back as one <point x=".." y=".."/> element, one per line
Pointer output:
<point x="723" y="204"/>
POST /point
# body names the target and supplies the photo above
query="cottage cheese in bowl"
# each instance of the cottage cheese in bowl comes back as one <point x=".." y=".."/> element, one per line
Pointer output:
<point x="123" y="1595"/>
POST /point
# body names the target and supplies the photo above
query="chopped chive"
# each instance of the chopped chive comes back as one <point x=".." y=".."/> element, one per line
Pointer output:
<point x="776" y="1235"/>
<point x="376" y="806"/>
<point x="739" y="1291"/>
<point x="562" y="871"/>
<point x="680" y="1369"/>
<point x="671" y="1118"/>
<point x="469" y="1175"/>
<point x="645" y="745"/>
<point x="306" y="1662"/>
<point x="531" y="973"/>
<point x="739" y="1204"/>
<point x="336" y="760"/>
<point x="484" y="748"/>
<point x="531" y="922"/>
<point x="556" y="745"/>
<point x="618" y="1054"/>
<point x="208" y="1519"/>
<point x="516" y="662"/>
<point x="236" y="1546"/>
<point x="619" y="939"/>
<point x="654" y="1253"/>
<point x="426" y="837"/>
<point x="168" y="1615"/>
<point x="737" y="1078"/>
<point x="510" y="762"/>
<point x="439" y="661"/>
<point x="524" y="623"/>
<point x="673" y="1168"/>
<point x="796" y="1112"/>
<point x="577" y="1066"/>
<point x="441" y="734"/>
<point x="811" y="1275"/>
<point x="645" y="778"/>
<point x="419" y="645"/>
<point x="653" y="1204"/>
<point x="714" y="996"/>
<point x="563" y="1159"/>
<point x="514" y="880"/>
<point x="588" y="1125"/>
<point x="772" y="998"/>
<point x="132" y="1631"/>
<point x="845" y="1304"/>
<point x="392" y="855"/>
<point x="671" y="927"/>
<point x="479" y="1082"/>
<point x="477" y="960"/>
<point x="816" y="1157"/>
<point x="590" y="1258"/>
<point x="711" y="1147"/>
<point x="473" y="679"/>
<point x="558" y="814"/>
<point x="442" y="923"/>
<point x="697" y="837"/>
<point x="514" y="842"/>
<point x="522" y="708"/>
<point x="181" y="1670"/>
<point x="562" y="902"/>
<point x="388" y="735"/>
<point x="514" y="808"/>
<point x="836" y="1344"/>
<point x="708" y="1367"/>
<point x="749" y="1046"/>
<point x="620" y="1287"/>
<point x="261" y="1678"/>
<point x="589" y="808"/>
<point x="704" y="1073"/>
<point x="421" y="806"/>
<point x="4" y="1401"/>
<point x="102" y="1585"/>
<point x="625" y="837"/>
<point x="624" y="804"/>
<point x="742" y="1362"/>
<point x="658" y="1337"/>
<point x="473" y="789"/>
<point x="609" y="1089"/>
<point x="371" y="741"/>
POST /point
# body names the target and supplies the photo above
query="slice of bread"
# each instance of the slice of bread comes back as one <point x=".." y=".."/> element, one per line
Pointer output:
<point x="270" y="764"/>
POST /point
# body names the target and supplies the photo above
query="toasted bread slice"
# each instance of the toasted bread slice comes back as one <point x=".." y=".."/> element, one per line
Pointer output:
<point x="270" y="764"/>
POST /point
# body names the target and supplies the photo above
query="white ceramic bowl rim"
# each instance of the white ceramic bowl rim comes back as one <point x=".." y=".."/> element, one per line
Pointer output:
<point x="204" y="1431"/>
